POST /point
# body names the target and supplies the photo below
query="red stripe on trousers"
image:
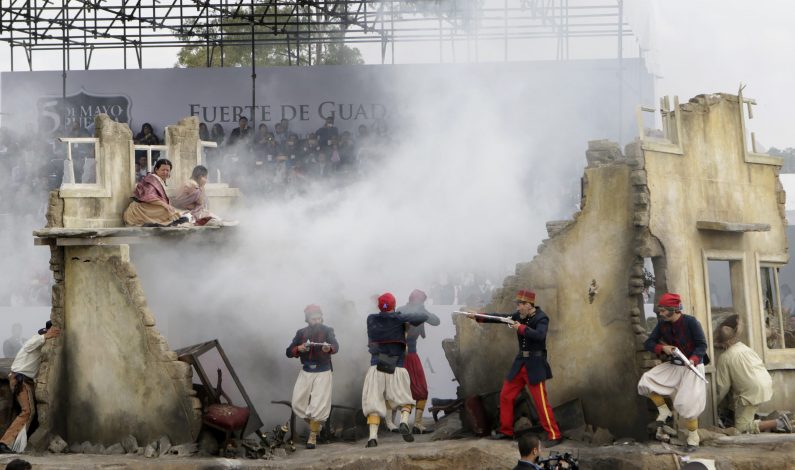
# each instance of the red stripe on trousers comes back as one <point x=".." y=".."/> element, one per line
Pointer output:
<point x="511" y="389"/>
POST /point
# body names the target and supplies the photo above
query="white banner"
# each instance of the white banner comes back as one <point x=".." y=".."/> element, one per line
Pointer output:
<point x="580" y="95"/>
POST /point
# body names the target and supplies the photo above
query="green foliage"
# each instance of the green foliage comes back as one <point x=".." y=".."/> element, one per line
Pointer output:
<point x="788" y="154"/>
<point x="274" y="53"/>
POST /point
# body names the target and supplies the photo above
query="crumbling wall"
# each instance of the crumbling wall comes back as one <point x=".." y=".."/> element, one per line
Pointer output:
<point x="715" y="179"/>
<point x="182" y="140"/>
<point x="691" y="193"/>
<point x="51" y="370"/>
<point x="111" y="373"/>
<point x="102" y="204"/>
<point x="581" y="277"/>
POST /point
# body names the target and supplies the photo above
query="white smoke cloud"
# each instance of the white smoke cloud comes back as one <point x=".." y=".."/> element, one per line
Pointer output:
<point x="454" y="197"/>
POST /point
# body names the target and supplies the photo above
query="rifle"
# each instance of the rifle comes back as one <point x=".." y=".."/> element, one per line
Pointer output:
<point x="506" y="320"/>
<point x="686" y="361"/>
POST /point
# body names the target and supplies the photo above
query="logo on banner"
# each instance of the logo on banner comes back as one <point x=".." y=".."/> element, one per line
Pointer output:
<point x="59" y="115"/>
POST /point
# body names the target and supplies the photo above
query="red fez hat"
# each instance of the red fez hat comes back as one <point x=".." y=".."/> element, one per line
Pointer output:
<point x="670" y="300"/>
<point x="526" y="296"/>
<point x="312" y="311"/>
<point x="417" y="296"/>
<point x="386" y="302"/>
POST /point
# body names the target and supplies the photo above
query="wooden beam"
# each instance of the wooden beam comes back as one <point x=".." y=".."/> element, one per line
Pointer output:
<point x="731" y="227"/>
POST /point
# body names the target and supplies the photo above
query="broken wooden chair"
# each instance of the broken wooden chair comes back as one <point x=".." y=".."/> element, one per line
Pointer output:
<point x="225" y="417"/>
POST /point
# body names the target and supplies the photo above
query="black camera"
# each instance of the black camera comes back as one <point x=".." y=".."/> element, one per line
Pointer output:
<point x="557" y="461"/>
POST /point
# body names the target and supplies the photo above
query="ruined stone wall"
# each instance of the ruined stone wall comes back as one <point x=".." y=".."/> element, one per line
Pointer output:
<point x="647" y="205"/>
<point x="51" y="370"/>
<point x="111" y="373"/>
<point x="713" y="179"/>
<point x="182" y="140"/>
<point x="591" y="340"/>
<point x="102" y="204"/>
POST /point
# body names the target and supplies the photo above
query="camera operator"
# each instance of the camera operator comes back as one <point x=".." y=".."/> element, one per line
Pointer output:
<point x="529" y="451"/>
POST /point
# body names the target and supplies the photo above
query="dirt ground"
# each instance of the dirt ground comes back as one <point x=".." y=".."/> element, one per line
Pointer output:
<point x="771" y="452"/>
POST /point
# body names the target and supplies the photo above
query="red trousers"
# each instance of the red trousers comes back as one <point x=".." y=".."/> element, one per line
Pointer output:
<point x="419" y="386"/>
<point x="511" y="389"/>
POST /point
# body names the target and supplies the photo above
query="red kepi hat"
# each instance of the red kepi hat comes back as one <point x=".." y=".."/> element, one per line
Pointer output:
<point x="526" y="296"/>
<point x="386" y="302"/>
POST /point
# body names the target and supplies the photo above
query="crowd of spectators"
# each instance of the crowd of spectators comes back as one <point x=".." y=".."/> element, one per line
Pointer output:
<point x="275" y="161"/>
<point x="25" y="167"/>
<point x="462" y="288"/>
<point x="272" y="161"/>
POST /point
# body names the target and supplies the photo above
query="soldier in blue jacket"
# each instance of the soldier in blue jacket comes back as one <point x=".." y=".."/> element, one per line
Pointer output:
<point x="530" y="367"/>
<point x="675" y="330"/>
<point x="314" y="345"/>
<point x="387" y="378"/>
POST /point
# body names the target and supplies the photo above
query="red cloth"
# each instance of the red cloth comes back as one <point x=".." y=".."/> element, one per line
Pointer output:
<point x="419" y="386"/>
<point x="149" y="189"/>
<point x="526" y="296"/>
<point x="669" y="300"/>
<point x="511" y="389"/>
<point x="386" y="302"/>
<point x="228" y="417"/>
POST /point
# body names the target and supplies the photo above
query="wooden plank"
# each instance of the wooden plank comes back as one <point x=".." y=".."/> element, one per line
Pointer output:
<point x="117" y="236"/>
<point x="733" y="227"/>
<point x="107" y="241"/>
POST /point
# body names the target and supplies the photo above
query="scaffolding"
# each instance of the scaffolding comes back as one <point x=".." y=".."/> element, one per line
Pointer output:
<point x="304" y="27"/>
<point x="85" y="26"/>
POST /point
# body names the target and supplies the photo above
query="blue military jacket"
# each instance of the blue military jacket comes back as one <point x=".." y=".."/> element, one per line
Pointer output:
<point x="386" y="334"/>
<point x="532" y="340"/>
<point x="314" y="359"/>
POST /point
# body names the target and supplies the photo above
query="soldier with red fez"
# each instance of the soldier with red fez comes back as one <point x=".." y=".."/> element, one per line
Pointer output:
<point x="419" y="386"/>
<point x="314" y="345"/>
<point x="387" y="380"/>
<point x="530" y="367"/>
<point x="675" y="330"/>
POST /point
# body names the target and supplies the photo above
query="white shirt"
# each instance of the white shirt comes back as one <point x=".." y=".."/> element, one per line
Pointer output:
<point x="742" y="370"/>
<point x="29" y="357"/>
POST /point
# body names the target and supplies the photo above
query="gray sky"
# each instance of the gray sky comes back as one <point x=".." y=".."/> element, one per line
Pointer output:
<point x="694" y="47"/>
<point x="712" y="46"/>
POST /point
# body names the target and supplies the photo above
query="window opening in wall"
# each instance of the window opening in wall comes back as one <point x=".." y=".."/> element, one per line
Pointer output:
<point x="80" y="163"/>
<point x="726" y="295"/>
<point x="776" y="308"/>
<point x="649" y="295"/>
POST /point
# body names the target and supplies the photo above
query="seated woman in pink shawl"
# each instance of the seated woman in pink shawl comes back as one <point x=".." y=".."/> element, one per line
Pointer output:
<point x="191" y="197"/>
<point x="150" y="204"/>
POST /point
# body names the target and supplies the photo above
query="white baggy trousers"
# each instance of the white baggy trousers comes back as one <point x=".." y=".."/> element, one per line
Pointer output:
<point x="679" y="382"/>
<point x="312" y="395"/>
<point x="380" y="387"/>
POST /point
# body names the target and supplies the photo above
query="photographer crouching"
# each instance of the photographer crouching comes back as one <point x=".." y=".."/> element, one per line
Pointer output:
<point x="530" y="456"/>
<point x="529" y="452"/>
